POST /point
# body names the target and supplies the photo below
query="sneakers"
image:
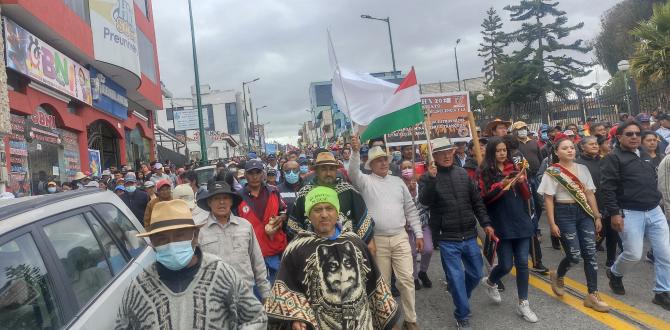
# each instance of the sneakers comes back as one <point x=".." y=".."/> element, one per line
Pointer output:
<point x="463" y="325"/>
<point x="616" y="282"/>
<point x="417" y="284"/>
<point x="594" y="302"/>
<point x="491" y="290"/>
<point x="425" y="281"/>
<point x="501" y="286"/>
<point x="662" y="299"/>
<point x="540" y="269"/>
<point x="523" y="309"/>
<point x="557" y="284"/>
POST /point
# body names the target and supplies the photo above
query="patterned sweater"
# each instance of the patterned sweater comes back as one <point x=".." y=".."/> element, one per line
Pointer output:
<point x="330" y="284"/>
<point x="215" y="299"/>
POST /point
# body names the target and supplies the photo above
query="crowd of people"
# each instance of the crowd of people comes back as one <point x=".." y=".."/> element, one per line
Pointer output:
<point x="335" y="238"/>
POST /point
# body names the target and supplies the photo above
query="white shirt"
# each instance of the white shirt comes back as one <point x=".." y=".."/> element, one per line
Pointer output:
<point x="388" y="200"/>
<point x="550" y="186"/>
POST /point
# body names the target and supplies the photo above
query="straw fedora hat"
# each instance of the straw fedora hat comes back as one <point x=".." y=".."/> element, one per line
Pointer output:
<point x="170" y="215"/>
<point x="374" y="153"/>
<point x="491" y="125"/>
<point x="442" y="144"/>
<point x="325" y="158"/>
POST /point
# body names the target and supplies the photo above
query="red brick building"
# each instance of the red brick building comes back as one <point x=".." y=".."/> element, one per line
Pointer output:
<point x="83" y="82"/>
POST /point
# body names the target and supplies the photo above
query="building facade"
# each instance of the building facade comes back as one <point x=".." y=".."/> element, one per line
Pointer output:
<point x="83" y="79"/>
<point x="222" y="119"/>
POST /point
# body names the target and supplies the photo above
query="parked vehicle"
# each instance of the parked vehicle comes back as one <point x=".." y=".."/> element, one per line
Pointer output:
<point x="205" y="174"/>
<point x="66" y="259"/>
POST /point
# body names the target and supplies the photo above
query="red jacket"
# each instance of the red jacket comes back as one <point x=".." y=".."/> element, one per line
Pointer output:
<point x="275" y="205"/>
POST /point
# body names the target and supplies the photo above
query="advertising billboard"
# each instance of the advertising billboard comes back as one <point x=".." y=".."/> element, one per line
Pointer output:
<point x="115" y="33"/>
<point x="29" y="55"/>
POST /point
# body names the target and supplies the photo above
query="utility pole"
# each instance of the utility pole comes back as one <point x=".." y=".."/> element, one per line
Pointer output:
<point x="5" y="122"/>
<point x="388" y="24"/>
<point x="458" y="75"/>
<point x="203" y="143"/>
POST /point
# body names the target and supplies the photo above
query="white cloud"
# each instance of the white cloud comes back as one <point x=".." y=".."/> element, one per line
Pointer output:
<point x="284" y="43"/>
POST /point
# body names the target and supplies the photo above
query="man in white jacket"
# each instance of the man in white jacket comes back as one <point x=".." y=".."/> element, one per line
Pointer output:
<point x="391" y="206"/>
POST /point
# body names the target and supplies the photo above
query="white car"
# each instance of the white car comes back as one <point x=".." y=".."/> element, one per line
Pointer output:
<point x="66" y="259"/>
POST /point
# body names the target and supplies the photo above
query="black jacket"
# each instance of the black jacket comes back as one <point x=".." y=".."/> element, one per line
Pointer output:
<point x="136" y="202"/>
<point x="454" y="201"/>
<point x="593" y="164"/>
<point x="628" y="182"/>
<point x="531" y="151"/>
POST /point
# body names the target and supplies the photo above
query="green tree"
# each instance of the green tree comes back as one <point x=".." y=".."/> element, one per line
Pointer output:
<point x="517" y="82"/>
<point x="542" y="30"/>
<point x="651" y="61"/>
<point x="492" y="46"/>
<point x="615" y="43"/>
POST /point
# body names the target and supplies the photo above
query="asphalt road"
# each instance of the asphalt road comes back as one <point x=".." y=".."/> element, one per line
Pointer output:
<point x="631" y="311"/>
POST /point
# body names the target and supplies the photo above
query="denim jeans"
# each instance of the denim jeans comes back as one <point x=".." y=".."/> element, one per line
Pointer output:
<point x="462" y="263"/>
<point x="578" y="237"/>
<point x="513" y="252"/>
<point x="652" y="225"/>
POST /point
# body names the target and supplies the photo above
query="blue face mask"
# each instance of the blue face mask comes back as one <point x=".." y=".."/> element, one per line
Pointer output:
<point x="544" y="136"/>
<point x="175" y="255"/>
<point x="131" y="189"/>
<point x="51" y="190"/>
<point x="243" y="181"/>
<point x="291" y="177"/>
<point x="304" y="169"/>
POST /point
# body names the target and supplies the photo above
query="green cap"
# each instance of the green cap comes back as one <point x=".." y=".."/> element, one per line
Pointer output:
<point x="321" y="194"/>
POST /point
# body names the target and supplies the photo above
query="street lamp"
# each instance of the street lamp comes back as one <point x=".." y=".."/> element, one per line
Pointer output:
<point x="388" y="23"/>
<point x="246" y="113"/>
<point x="458" y="75"/>
<point x="623" y="66"/>
<point x="258" y="120"/>
<point x="201" y="126"/>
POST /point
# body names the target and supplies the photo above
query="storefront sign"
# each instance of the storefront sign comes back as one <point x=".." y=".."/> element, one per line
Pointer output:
<point x="115" y="33"/>
<point x="94" y="162"/>
<point x="34" y="58"/>
<point x="44" y="119"/>
<point x="448" y="118"/>
<point x="108" y="96"/>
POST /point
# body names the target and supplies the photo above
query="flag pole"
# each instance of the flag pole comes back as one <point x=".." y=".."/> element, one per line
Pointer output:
<point x="475" y="137"/>
<point x="427" y="126"/>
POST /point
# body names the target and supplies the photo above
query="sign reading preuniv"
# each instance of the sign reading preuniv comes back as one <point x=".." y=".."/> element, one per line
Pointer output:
<point x="108" y="96"/>
<point x="29" y="55"/>
<point x="115" y="33"/>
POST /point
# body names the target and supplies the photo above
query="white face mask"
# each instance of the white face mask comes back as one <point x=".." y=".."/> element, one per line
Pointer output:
<point x="522" y="133"/>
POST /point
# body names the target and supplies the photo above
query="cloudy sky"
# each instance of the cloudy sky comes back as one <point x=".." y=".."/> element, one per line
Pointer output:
<point x="284" y="43"/>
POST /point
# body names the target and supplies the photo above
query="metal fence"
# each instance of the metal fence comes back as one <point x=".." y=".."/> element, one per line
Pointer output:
<point x="606" y="107"/>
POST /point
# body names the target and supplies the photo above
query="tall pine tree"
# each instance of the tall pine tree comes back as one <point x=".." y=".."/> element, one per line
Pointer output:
<point x="492" y="46"/>
<point x="542" y="31"/>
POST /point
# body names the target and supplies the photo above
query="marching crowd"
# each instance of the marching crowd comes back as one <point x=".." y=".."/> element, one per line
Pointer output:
<point x="336" y="238"/>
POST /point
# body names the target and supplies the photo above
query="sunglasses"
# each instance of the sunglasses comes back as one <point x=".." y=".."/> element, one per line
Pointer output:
<point x="631" y="134"/>
<point x="295" y="171"/>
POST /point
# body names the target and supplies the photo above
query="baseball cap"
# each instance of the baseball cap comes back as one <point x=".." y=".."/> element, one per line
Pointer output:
<point x="272" y="172"/>
<point x="253" y="164"/>
<point x="149" y="184"/>
<point x="162" y="183"/>
<point x="158" y="166"/>
<point x="130" y="177"/>
<point x="643" y="118"/>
